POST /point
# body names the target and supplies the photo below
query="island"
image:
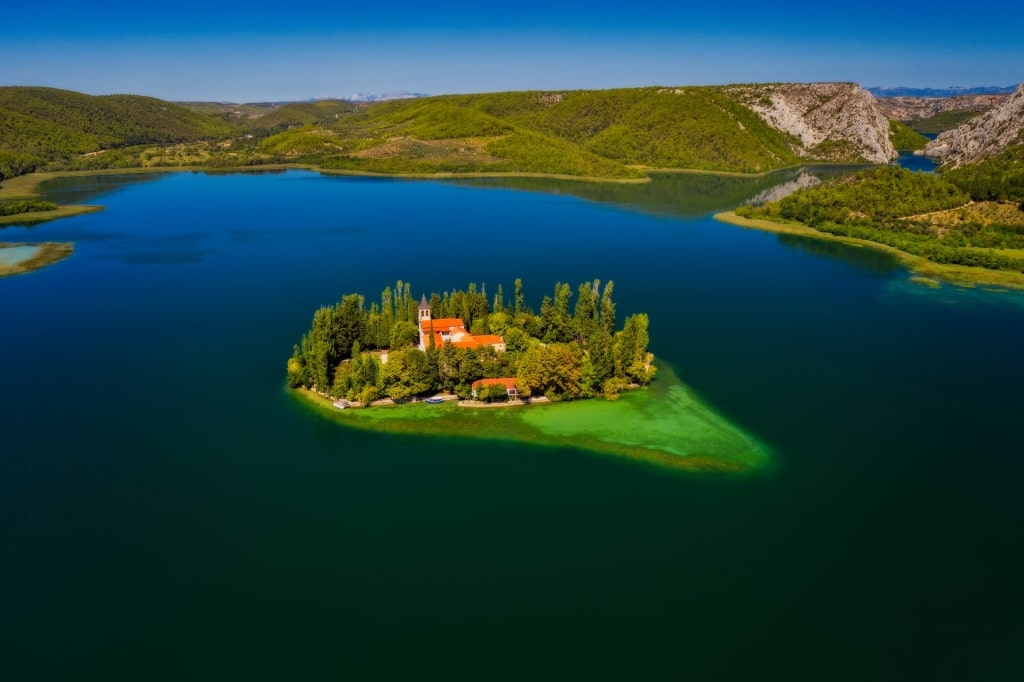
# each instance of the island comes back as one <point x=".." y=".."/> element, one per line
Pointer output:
<point x="463" y="343"/>
<point x="418" y="365"/>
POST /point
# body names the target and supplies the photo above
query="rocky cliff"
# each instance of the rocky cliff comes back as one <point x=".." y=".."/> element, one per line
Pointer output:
<point x="913" y="108"/>
<point x="835" y="121"/>
<point x="983" y="136"/>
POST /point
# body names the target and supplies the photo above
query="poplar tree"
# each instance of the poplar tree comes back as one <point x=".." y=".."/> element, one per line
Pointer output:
<point x="608" y="308"/>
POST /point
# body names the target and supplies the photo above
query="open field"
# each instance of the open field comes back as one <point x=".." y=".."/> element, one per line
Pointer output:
<point x="980" y="212"/>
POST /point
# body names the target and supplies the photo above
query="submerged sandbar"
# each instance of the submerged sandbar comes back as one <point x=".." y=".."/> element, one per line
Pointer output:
<point x="664" y="425"/>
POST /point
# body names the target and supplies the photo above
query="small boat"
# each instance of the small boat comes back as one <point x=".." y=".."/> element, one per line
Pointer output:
<point x="341" y="404"/>
<point x="434" y="400"/>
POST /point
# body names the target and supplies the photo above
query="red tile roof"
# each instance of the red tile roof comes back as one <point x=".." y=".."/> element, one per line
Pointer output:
<point x="486" y="339"/>
<point x="508" y="382"/>
<point x="441" y="324"/>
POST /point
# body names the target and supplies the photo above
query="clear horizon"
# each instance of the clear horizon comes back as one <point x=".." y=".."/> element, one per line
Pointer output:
<point x="252" y="52"/>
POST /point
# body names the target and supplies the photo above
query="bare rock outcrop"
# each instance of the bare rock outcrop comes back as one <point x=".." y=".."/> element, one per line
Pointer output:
<point x="834" y="121"/>
<point x="912" y="108"/>
<point x="983" y="136"/>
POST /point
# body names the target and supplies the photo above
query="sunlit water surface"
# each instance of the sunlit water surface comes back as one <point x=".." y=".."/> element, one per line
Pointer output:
<point x="168" y="512"/>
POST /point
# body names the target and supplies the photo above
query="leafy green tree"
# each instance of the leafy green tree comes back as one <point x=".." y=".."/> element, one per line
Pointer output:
<point x="297" y="375"/>
<point x="319" y="349"/>
<point x="516" y="340"/>
<point x="632" y="361"/>
<point x="554" y="370"/>
<point x="584" y="321"/>
<point x="348" y="324"/>
<point x="404" y="334"/>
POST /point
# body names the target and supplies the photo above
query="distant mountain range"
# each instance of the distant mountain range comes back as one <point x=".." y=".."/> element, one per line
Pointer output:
<point x="381" y="96"/>
<point x="940" y="92"/>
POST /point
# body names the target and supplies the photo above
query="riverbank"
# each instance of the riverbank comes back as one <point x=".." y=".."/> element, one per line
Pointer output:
<point x="922" y="268"/>
<point x="17" y="259"/>
<point x="664" y="425"/>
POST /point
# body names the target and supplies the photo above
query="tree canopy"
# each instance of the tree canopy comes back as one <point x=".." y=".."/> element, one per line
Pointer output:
<point x="564" y="352"/>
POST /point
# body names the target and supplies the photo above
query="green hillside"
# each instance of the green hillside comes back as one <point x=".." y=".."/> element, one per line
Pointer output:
<point x="608" y="133"/>
<point x="297" y="114"/>
<point x="616" y="134"/>
<point x="50" y="125"/>
<point x="904" y="138"/>
<point x="693" y="127"/>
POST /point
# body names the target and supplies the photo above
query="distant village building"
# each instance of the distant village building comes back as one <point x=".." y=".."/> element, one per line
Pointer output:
<point x="451" y="330"/>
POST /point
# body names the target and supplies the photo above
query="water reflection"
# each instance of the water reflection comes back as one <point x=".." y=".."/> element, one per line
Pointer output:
<point x="678" y="195"/>
<point x="862" y="258"/>
<point x="79" y="189"/>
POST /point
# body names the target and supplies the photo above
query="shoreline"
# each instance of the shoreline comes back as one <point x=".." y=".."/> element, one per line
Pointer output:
<point x="26" y="186"/>
<point x="922" y="268"/>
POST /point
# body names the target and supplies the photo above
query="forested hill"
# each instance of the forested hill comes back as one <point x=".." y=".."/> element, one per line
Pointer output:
<point x="39" y="126"/>
<point x="598" y="133"/>
<point x="46" y="120"/>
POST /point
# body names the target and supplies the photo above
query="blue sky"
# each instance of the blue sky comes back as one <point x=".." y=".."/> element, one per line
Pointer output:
<point x="258" y="51"/>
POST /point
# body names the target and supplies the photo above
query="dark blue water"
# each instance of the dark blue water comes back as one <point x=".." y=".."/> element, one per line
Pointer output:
<point x="168" y="512"/>
<point x="914" y="162"/>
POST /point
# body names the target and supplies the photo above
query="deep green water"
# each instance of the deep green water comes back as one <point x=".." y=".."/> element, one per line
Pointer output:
<point x="168" y="511"/>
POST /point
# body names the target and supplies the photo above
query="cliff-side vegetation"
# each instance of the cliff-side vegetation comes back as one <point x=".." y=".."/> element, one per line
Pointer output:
<point x="943" y="121"/>
<point x="904" y="138"/>
<point x="998" y="178"/>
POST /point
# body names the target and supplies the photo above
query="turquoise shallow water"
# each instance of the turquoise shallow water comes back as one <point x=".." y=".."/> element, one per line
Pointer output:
<point x="12" y="255"/>
<point x="168" y="512"/>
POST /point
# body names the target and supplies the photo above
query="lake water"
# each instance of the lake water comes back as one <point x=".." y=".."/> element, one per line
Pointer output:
<point x="168" y="511"/>
<point x="916" y="162"/>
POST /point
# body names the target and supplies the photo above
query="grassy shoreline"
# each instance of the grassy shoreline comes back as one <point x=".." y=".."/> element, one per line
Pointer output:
<point x="664" y="426"/>
<point x="36" y="217"/>
<point x="923" y="268"/>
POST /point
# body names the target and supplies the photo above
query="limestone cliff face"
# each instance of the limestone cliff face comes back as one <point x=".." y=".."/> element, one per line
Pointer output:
<point x="911" y="108"/>
<point x="833" y="121"/>
<point x="983" y="136"/>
